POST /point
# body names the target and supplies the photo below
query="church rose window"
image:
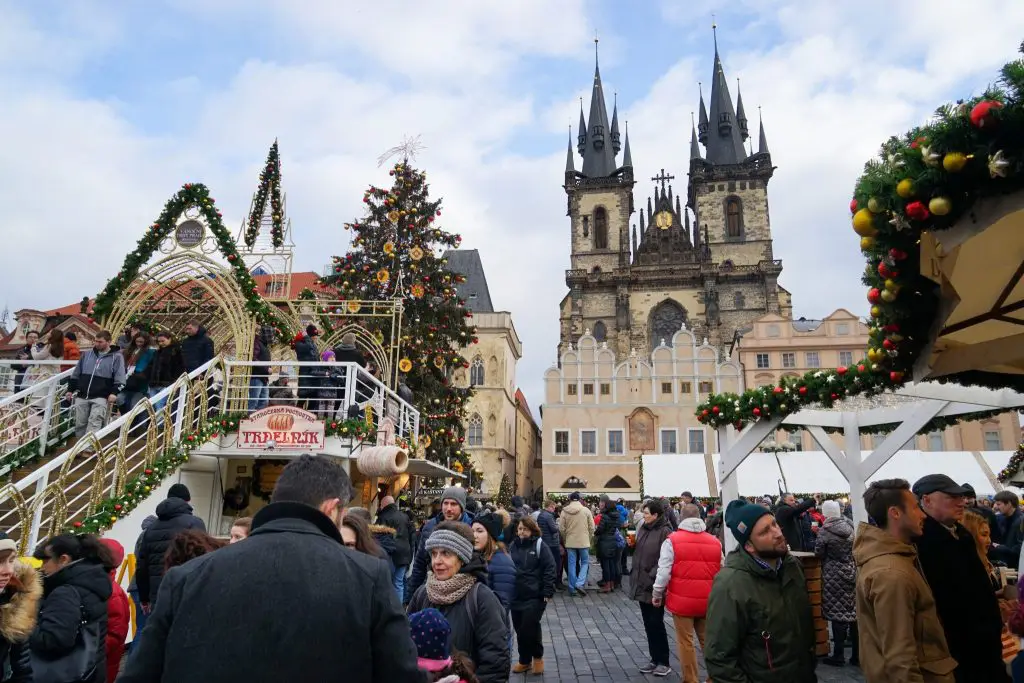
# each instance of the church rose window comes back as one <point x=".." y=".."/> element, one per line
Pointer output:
<point x="600" y="228"/>
<point x="666" y="320"/>
<point x="733" y="217"/>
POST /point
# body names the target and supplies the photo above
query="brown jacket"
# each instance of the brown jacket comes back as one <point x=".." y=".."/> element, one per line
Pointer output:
<point x="901" y="637"/>
<point x="576" y="525"/>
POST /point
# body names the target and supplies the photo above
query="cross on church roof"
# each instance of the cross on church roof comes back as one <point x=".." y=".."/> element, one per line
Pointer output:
<point x="663" y="178"/>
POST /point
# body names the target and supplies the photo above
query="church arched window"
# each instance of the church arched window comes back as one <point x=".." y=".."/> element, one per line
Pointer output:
<point x="733" y="217"/>
<point x="739" y="301"/>
<point x="475" y="433"/>
<point x="666" y="319"/>
<point x="600" y="331"/>
<point x="476" y="372"/>
<point x="600" y="228"/>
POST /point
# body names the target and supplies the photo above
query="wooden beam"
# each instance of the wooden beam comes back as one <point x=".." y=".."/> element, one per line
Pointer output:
<point x="1002" y="351"/>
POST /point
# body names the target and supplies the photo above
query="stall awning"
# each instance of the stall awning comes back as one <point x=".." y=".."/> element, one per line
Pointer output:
<point x="426" y="468"/>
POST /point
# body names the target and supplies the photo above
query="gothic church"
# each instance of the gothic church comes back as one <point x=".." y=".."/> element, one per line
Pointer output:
<point x="704" y="260"/>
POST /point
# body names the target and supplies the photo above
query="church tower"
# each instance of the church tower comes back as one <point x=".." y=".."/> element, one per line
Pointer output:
<point x="728" y="194"/>
<point x="600" y="199"/>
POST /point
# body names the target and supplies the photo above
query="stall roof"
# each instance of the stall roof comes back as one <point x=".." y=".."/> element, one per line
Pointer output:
<point x="426" y="468"/>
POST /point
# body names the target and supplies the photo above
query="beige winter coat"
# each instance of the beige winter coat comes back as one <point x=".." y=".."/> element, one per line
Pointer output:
<point x="576" y="524"/>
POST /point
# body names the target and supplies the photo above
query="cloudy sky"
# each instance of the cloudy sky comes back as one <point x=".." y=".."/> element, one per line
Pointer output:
<point x="108" y="107"/>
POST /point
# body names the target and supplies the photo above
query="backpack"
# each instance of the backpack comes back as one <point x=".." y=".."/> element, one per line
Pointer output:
<point x="620" y="540"/>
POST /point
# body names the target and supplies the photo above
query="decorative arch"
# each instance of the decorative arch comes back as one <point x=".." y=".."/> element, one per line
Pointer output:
<point x="574" y="482"/>
<point x="475" y="432"/>
<point x="617" y="482"/>
<point x="600" y="228"/>
<point x="600" y="331"/>
<point x="733" y="212"/>
<point x="665" y="320"/>
<point x="365" y="340"/>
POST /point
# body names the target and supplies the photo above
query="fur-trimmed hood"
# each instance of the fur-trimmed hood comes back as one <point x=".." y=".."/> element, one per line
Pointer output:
<point x="381" y="529"/>
<point x="18" y="614"/>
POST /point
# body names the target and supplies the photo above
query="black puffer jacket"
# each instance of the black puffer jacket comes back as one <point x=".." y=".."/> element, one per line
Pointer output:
<point x="535" y="572"/>
<point x="80" y="589"/>
<point x="174" y="515"/>
<point x="605" y="533"/>
<point x="166" y="367"/>
<point x="549" y="532"/>
<point x="385" y="537"/>
<point x="391" y="516"/>
<point x="196" y="349"/>
<point x="18" y="610"/>
<point x="478" y="624"/>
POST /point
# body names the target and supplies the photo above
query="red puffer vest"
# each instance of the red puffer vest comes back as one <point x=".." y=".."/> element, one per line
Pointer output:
<point x="697" y="557"/>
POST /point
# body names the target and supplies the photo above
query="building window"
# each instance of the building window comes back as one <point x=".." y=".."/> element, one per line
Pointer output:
<point x="668" y="441"/>
<point x="733" y="217"/>
<point x="846" y="358"/>
<point x="600" y="331"/>
<point x="706" y="387"/>
<point x="935" y="442"/>
<point x="666" y="319"/>
<point x="588" y="389"/>
<point x="615" y="442"/>
<point x="696" y="440"/>
<point x="476" y="372"/>
<point x="475" y="433"/>
<point x="561" y="442"/>
<point x="796" y="440"/>
<point x="588" y="442"/>
<point x="993" y="440"/>
<point x="739" y="301"/>
<point x="773" y="330"/>
<point x="789" y="360"/>
<point x="572" y="389"/>
<point x="843" y="329"/>
<point x="762" y="361"/>
<point x="606" y="389"/>
<point x="600" y="228"/>
<point x="812" y="359"/>
<point x="586" y="226"/>
<point x="684" y="387"/>
<point x="666" y="387"/>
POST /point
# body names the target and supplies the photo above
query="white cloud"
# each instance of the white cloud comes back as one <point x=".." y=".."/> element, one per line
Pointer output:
<point x="78" y="181"/>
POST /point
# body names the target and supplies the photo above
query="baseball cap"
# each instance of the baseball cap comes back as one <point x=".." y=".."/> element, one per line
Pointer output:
<point x="931" y="483"/>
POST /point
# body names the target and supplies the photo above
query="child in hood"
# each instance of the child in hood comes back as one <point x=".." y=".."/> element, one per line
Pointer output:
<point x="433" y="634"/>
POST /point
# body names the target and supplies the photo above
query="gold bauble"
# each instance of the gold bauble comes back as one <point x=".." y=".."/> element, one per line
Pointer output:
<point x="905" y="188"/>
<point x="954" y="162"/>
<point x="891" y="285"/>
<point x="888" y="297"/>
<point x="867" y="243"/>
<point x="872" y="355"/>
<point x="864" y="223"/>
<point x="940" y="206"/>
<point x="875" y="205"/>
<point x="876" y="312"/>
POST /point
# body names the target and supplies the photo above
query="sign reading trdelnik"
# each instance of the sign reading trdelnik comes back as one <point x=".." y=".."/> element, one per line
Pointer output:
<point x="281" y="428"/>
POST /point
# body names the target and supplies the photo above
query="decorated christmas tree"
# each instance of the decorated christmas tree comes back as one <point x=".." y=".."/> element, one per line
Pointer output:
<point x="504" y="497"/>
<point x="395" y="253"/>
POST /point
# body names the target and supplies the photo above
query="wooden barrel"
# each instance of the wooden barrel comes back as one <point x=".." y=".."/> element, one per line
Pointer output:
<point x="812" y="574"/>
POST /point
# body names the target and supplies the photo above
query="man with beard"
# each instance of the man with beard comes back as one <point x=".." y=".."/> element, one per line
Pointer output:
<point x="759" y="622"/>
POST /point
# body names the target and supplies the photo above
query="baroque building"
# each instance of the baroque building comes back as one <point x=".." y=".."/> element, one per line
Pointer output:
<point x="703" y="257"/>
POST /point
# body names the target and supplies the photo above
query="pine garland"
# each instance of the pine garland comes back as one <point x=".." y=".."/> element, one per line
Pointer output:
<point x="198" y="196"/>
<point x="1013" y="466"/>
<point x="269" y="187"/>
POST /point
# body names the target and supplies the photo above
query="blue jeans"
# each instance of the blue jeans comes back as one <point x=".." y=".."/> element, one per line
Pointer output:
<point x="140" y="616"/>
<point x="398" y="581"/>
<point x="584" y="555"/>
<point x="259" y="394"/>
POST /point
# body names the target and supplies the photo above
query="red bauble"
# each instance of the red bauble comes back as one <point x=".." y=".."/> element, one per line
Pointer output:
<point x="803" y="391"/>
<point x="835" y="396"/>
<point x="874" y="295"/>
<point x="896" y="376"/>
<point x="841" y="371"/>
<point x="886" y="271"/>
<point x="917" y="211"/>
<point x="983" y="113"/>
<point x="853" y="205"/>
<point x="897" y="254"/>
<point x="715" y="410"/>
<point x="704" y="413"/>
<point x="860" y="368"/>
<point x="149" y="472"/>
<point x="888" y="344"/>
<point x="756" y="412"/>
<point x="777" y="390"/>
<point x="118" y="507"/>
<point x="892" y="327"/>
<point x="77" y="525"/>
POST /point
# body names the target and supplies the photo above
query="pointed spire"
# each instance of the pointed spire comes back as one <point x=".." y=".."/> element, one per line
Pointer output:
<point x="627" y="158"/>
<point x="642" y="224"/>
<point x="741" y="116"/>
<point x="702" y="127"/>
<point x="581" y="139"/>
<point x="616" y="146"/>
<point x="669" y="194"/>
<point x="599" y="157"/>
<point x="570" y="167"/>
<point x="725" y="140"/>
<point x="694" y="147"/>
<point x="650" y="213"/>
<point x="762" y="142"/>
<point x="679" y="210"/>
<point x="634" y="235"/>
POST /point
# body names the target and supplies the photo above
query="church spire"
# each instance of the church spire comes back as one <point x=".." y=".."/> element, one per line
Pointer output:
<point x="570" y="167"/>
<point x="581" y="139"/>
<point x="762" y="142"/>
<point x="702" y="128"/>
<point x="741" y="116"/>
<point x="627" y="158"/>
<point x="694" y="147"/>
<point x="724" y="136"/>
<point x="599" y="142"/>
<point x="616" y="146"/>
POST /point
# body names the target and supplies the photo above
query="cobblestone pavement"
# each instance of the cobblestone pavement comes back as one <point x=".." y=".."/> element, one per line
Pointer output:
<point x="600" y="639"/>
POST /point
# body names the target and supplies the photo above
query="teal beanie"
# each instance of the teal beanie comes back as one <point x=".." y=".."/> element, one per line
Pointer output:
<point x="741" y="516"/>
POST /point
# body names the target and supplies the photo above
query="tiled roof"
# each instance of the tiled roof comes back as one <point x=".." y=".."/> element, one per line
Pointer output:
<point x="521" y="400"/>
<point x="474" y="290"/>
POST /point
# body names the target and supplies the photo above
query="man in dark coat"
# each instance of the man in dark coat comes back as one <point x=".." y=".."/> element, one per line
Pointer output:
<point x="326" y="612"/>
<point x="964" y="598"/>
<point x="306" y="352"/>
<point x="549" y="532"/>
<point x="788" y="515"/>
<point x="196" y="347"/>
<point x="1010" y="523"/>
<point x="389" y="515"/>
<point x="259" y="383"/>
<point x="174" y="515"/>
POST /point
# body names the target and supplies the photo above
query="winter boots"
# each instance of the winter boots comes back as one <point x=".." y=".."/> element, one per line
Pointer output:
<point x="538" y="665"/>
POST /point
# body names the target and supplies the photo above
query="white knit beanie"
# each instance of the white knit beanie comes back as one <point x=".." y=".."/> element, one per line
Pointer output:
<point x="831" y="509"/>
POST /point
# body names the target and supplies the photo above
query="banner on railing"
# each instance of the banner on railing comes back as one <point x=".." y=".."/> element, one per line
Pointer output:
<point x="281" y="428"/>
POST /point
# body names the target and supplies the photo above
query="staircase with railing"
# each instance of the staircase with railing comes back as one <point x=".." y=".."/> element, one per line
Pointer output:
<point x="53" y="481"/>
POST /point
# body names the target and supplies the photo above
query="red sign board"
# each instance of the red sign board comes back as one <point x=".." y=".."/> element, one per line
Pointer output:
<point x="281" y="428"/>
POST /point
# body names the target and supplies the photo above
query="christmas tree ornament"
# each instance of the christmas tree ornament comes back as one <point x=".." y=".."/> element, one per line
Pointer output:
<point x="940" y="206"/>
<point x="998" y="166"/>
<point x="983" y="114"/>
<point x="930" y="157"/>
<point x="874" y="295"/>
<point x="875" y="205"/>
<point x="867" y="243"/>
<point x="864" y="223"/>
<point x="954" y="162"/>
<point x="916" y="211"/>
<point x="905" y="188"/>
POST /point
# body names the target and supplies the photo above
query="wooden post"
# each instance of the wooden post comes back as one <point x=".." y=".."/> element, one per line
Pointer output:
<point x="812" y="575"/>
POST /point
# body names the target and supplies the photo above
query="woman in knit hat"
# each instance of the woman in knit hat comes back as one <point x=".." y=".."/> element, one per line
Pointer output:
<point x="488" y="531"/>
<point x="834" y="545"/>
<point x="457" y="587"/>
<point x="432" y="634"/>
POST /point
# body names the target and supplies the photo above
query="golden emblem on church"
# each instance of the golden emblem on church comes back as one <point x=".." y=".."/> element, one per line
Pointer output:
<point x="663" y="219"/>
